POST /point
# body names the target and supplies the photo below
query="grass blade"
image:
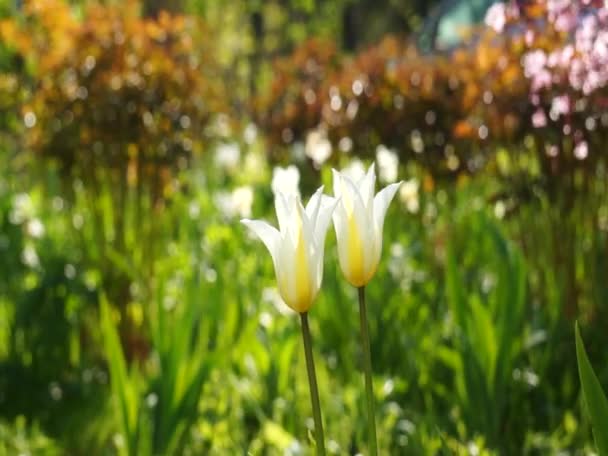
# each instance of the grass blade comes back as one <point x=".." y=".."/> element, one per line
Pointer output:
<point x="597" y="404"/>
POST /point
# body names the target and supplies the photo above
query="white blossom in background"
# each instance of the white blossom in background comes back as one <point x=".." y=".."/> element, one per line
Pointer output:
<point x="286" y="180"/>
<point x="317" y="147"/>
<point x="388" y="164"/>
<point x="242" y="198"/>
<point x="236" y="203"/>
<point x="496" y="17"/>
<point x="355" y="170"/>
<point x="35" y="228"/>
<point x="227" y="155"/>
<point x="294" y="449"/>
<point x="500" y="209"/>
<point x="30" y="257"/>
<point x="250" y="133"/>
<point x="194" y="210"/>
<point x="23" y="209"/>
<point x="223" y="201"/>
<point x="408" y="194"/>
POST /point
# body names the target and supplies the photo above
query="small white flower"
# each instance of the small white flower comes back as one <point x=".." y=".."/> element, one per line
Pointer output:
<point x="408" y="194"/>
<point x="250" y="134"/>
<point x="242" y="199"/>
<point x="35" y="228"/>
<point x="194" y="210"/>
<point x="355" y="170"/>
<point x="286" y="180"/>
<point x="388" y="164"/>
<point x="236" y="203"/>
<point x="223" y="201"/>
<point x="318" y="147"/>
<point x="227" y="155"/>
<point x="23" y="209"/>
<point x="500" y="209"/>
<point x="30" y="257"/>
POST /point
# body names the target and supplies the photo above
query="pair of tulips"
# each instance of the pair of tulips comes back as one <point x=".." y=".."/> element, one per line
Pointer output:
<point x="297" y="250"/>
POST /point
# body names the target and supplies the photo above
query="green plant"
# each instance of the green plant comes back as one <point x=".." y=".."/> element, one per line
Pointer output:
<point x="158" y="401"/>
<point x="595" y="399"/>
<point x="487" y="306"/>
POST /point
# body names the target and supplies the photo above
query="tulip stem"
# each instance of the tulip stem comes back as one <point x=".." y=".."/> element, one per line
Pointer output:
<point x="312" y="382"/>
<point x="367" y="366"/>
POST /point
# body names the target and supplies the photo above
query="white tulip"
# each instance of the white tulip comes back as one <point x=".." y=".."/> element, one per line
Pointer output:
<point x="358" y="221"/>
<point x="297" y="248"/>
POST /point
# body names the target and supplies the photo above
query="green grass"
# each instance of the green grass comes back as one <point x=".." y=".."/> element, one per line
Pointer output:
<point x="172" y="343"/>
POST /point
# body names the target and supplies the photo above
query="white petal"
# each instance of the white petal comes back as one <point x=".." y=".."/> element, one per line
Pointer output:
<point x="350" y="196"/>
<point x="367" y="185"/>
<point x="313" y="206"/>
<point x="328" y="205"/>
<point x="268" y="234"/>
<point x="285" y="269"/>
<point x="292" y="220"/>
<point x="306" y="224"/>
<point x="340" y="219"/>
<point x="337" y="183"/>
<point x="363" y="218"/>
<point x="281" y="206"/>
<point x="381" y="202"/>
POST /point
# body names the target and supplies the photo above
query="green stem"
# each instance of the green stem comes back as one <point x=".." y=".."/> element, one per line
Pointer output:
<point x="367" y="367"/>
<point x="312" y="382"/>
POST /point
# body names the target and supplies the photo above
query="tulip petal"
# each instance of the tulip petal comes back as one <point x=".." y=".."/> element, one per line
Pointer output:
<point x="361" y="229"/>
<point x="341" y="227"/>
<point x="354" y="229"/>
<point x="268" y="234"/>
<point x="328" y="205"/>
<point x="381" y="203"/>
<point x="292" y="219"/>
<point x="281" y="205"/>
<point x="313" y="206"/>
<point x="367" y="185"/>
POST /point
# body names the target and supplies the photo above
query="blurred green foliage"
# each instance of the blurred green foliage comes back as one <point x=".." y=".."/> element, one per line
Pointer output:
<point x="595" y="399"/>
<point x="136" y="309"/>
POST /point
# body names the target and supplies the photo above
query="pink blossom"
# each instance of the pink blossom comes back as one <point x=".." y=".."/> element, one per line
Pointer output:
<point x="496" y="17"/>
<point x="529" y="37"/>
<point x="541" y="80"/>
<point x="563" y="14"/>
<point x="560" y="105"/>
<point x="539" y="119"/>
<point x="581" y="150"/>
<point x="534" y="62"/>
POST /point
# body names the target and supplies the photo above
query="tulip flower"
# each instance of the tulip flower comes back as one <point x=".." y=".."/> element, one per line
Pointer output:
<point x="358" y="221"/>
<point x="297" y="250"/>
